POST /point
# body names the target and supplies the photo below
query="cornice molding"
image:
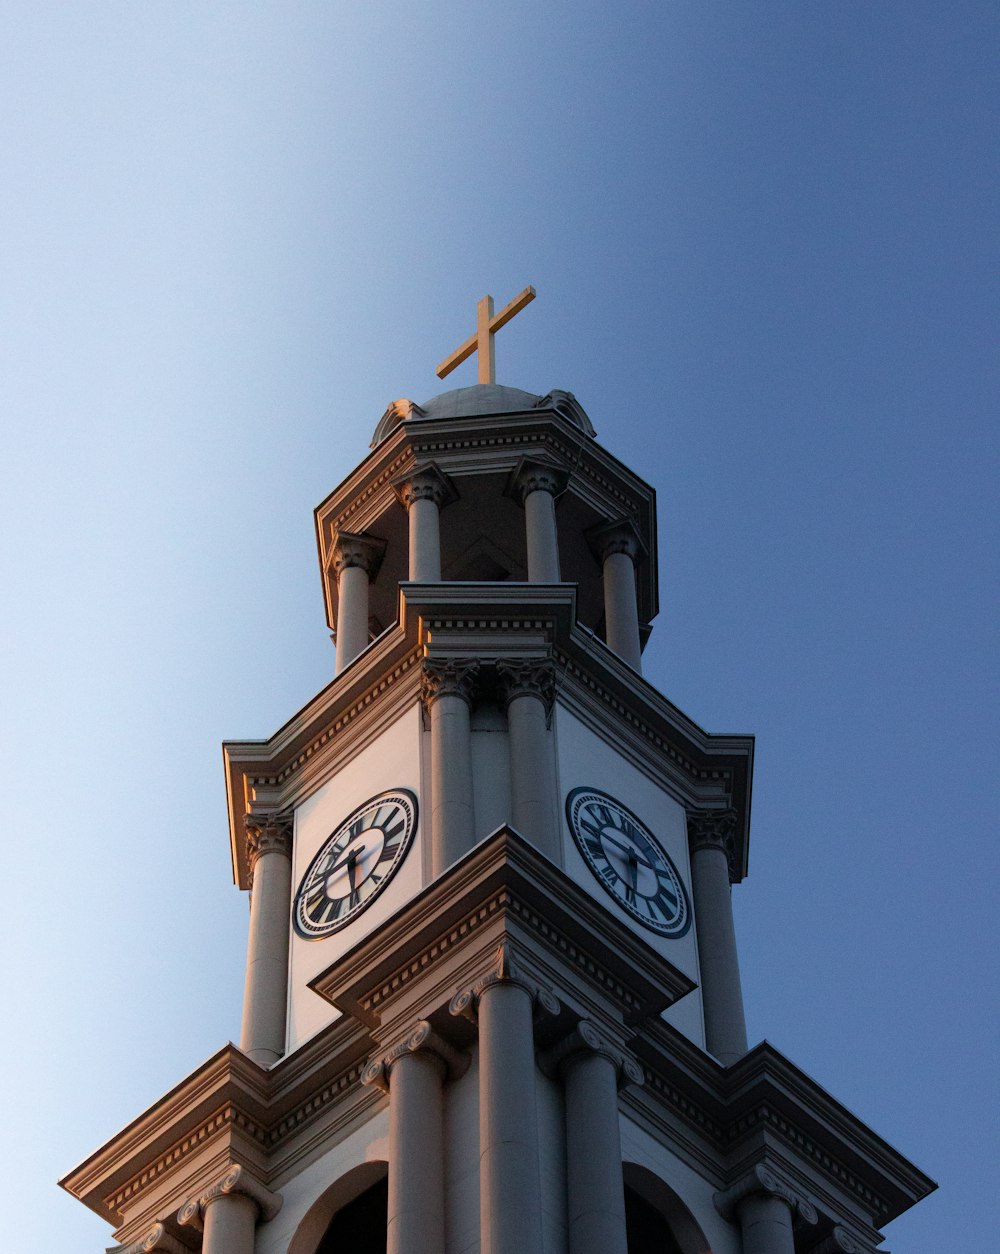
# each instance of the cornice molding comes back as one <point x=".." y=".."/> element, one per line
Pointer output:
<point x="503" y="890"/>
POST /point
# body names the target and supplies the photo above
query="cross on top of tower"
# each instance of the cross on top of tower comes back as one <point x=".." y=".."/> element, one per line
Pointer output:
<point x="487" y="324"/>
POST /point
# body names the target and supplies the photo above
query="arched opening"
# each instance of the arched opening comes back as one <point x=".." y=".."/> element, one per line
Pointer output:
<point x="657" y="1219"/>
<point x="349" y="1215"/>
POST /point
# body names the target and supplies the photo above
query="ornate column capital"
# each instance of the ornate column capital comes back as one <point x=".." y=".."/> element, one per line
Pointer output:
<point x="268" y="831"/>
<point x="357" y="549"/>
<point x="585" y="1039"/>
<point x="424" y="482"/>
<point x="448" y="677"/>
<point x="840" y="1241"/>
<point x="535" y="475"/>
<point x="713" y="829"/>
<point x="505" y="970"/>
<point x="157" y="1238"/>
<point x="762" y="1181"/>
<point x="237" y="1180"/>
<point x="528" y="677"/>
<point x="422" y="1040"/>
<point x="620" y="535"/>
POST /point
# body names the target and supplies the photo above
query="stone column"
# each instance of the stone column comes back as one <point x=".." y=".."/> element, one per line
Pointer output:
<point x="356" y="560"/>
<point x="447" y="692"/>
<point x="528" y="686"/>
<point x="590" y="1069"/>
<point x="535" y="486"/>
<point x="412" y="1073"/>
<point x="227" y="1213"/>
<point x="265" y="995"/>
<point x="510" y="1199"/>
<point x="767" y="1210"/>
<point x="710" y="834"/>
<point x="424" y="492"/>
<point x="618" y="548"/>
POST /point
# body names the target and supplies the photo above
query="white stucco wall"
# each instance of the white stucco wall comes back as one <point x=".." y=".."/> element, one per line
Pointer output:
<point x="587" y="760"/>
<point x="390" y="761"/>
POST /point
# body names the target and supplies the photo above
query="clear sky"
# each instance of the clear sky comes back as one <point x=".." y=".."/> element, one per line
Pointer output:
<point x="762" y="237"/>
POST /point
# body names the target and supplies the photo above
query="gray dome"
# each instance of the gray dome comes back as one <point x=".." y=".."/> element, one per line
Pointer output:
<point x="478" y="400"/>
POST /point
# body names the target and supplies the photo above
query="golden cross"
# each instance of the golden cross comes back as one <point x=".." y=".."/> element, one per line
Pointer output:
<point x="487" y="324"/>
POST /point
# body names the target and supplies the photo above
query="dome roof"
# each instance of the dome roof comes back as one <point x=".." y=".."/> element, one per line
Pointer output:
<point x="478" y="400"/>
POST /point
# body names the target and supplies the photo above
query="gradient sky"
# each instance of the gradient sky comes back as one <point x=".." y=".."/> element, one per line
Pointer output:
<point x="762" y="237"/>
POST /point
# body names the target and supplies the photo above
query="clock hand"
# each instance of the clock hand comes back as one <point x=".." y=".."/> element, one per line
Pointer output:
<point x="351" y="853"/>
<point x="628" y="849"/>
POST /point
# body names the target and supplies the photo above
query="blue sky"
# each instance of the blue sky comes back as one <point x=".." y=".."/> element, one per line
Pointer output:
<point x="763" y="239"/>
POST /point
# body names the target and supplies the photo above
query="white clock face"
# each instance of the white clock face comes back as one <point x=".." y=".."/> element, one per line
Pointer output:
<point x="355" y="863"/>
<point x="628" y="861"/>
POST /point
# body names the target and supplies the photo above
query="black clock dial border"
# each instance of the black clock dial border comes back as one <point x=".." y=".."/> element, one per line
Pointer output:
<point x="354" y="904"/>
<point x="650" y="916"/>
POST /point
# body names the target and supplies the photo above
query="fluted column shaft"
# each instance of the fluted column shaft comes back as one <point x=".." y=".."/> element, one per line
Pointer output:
<point x="528" y="685"/>
<point x="721" y="992"/>
<point x="596" y="1194"/>
<point x="447" y="693"/>
<point x="766" y="1224"/>
<point x="356" y="559"/>
<point x="416" y="1155"/>
<point x="509" y="1185"/>
<point x="230" y="1221"/>
<point x="262" y="1034"/>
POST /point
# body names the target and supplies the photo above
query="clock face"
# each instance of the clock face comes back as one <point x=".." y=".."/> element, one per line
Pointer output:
<point x="355" y="863"/>
<point x="628" y="861"/>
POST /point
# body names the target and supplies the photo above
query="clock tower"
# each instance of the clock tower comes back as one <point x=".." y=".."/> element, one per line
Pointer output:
<point x="492" y="997"/>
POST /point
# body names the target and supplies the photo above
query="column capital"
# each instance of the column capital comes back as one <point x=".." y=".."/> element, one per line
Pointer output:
<point x="422" y="1040"/>
<point x="268" y="831"/>
<point x="714" y="829"/>
<point x="536" y="475"/>
<point x="504" y="970"/>
<point x="762" y="1181"/>
<point x="586" y="1041"/>
<point x="620" y="535"/>
<point x="357" y="549"/>
<point x="424" y="482"/>
<point x="528" y="677"/>
<point x="840" y="1241"/>
<point x="448" y="677"/>
<point x="236" y="1181"/>
<point x="157" y="1238"/>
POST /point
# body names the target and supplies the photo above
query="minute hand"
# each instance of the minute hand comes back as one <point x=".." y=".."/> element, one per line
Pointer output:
<point x="629" y="850"/>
